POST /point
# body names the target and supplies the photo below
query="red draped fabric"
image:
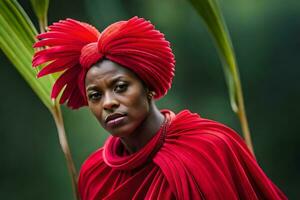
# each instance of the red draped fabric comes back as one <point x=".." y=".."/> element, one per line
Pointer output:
<point x="189" y="158"/>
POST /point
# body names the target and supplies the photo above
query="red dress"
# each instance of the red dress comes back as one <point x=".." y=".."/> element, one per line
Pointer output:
<point x="189" y="158"/>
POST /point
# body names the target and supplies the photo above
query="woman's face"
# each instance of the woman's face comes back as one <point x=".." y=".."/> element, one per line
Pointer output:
<point x="117" y="98"/>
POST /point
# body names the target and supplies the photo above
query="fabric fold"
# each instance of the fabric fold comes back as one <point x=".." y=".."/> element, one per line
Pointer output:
<point x="199" y="159"/>
<point x="113" y="158"/>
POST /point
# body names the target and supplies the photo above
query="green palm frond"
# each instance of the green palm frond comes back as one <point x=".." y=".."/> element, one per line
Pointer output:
<point x="213" y="18"/>
<point x="17" y="35"/>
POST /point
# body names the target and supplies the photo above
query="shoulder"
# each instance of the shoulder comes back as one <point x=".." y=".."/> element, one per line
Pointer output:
<point x="216" y="158"/>
<point x="191" y="128"/>
<point x="93" y="161"/>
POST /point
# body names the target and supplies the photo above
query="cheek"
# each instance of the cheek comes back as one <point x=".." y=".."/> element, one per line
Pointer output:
<point x="139" y="106"/>
<point x="96" y="110"/>
<point x="137" y="110"/>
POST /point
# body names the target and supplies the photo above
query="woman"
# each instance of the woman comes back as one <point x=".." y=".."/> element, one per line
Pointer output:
<point x="150" y="154"/>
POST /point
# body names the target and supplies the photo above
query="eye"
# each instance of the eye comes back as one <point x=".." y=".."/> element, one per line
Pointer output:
<point x="93" y="96"/>
<point x="121" y="87"/>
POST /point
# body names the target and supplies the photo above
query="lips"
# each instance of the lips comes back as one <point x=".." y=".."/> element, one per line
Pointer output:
<point x="115" y="120"/>
<point x="113" y="116"/>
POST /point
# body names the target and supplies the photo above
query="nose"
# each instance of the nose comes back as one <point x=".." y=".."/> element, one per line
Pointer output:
<point x="110" y="103"/>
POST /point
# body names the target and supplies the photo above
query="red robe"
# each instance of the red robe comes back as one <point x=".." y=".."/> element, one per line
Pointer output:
<point x="189" y="158"/>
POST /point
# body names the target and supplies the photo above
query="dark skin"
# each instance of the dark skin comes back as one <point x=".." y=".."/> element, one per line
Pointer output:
<point x="122" y="104"/>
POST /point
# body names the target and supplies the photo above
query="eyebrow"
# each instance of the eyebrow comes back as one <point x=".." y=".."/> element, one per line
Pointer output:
<point x="111" y="82"/>
<point x="92" y="87"/>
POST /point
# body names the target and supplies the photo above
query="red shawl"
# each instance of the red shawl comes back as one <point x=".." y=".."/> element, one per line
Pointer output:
<point x="189" y="158"/>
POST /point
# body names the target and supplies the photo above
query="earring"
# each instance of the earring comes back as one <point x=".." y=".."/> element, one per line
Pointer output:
<point x="151" y="94"/>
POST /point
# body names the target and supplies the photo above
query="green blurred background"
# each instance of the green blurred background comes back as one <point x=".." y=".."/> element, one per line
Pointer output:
<point x="266" y="38"/>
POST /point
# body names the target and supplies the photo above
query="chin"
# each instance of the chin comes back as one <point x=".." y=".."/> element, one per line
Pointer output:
<point x="122" y="131"/>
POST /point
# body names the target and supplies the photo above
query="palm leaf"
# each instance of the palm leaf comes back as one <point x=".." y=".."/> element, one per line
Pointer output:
<point x="17" y="35"/>
<point x="213" y="18"/>
<point x="41" y="9"/>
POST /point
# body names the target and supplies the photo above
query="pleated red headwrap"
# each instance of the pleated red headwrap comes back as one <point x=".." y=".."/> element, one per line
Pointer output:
<point x="75" y="46"/>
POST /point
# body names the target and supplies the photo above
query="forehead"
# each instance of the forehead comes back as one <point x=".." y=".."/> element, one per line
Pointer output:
<point x="107" y="70"/>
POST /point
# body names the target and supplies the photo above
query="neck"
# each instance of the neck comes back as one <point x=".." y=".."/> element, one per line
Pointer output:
<point x="143" y="134"/>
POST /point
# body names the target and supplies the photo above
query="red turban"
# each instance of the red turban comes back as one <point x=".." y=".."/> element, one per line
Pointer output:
<point x="75" y="46"/>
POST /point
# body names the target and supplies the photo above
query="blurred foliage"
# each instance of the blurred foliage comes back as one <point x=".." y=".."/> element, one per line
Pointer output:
<point x="266" y="38"/>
